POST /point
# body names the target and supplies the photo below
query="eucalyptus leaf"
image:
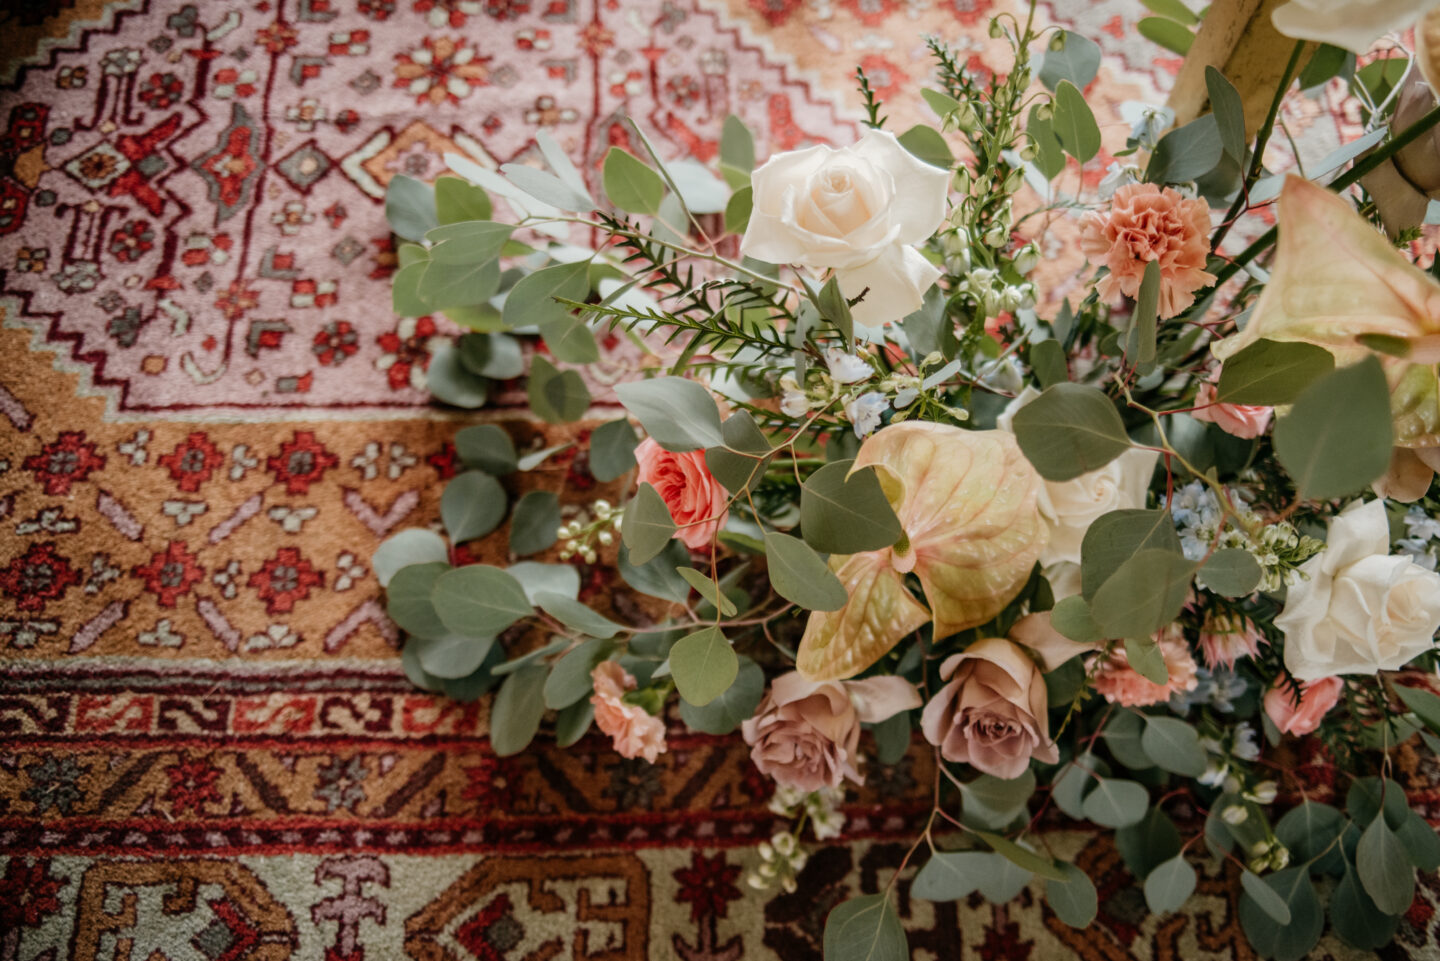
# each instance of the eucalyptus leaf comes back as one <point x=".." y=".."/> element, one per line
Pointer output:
<point x="449" y="381"/>
<point x="496" y="356"/>
<point x="710" y="592"/>
<point x="865" y="928"/>
<point x="1116" y="536"/>
<point x="410" y="207"/>
<point x="1077" y="60"/>
<point x="536" y="521"/>
<point x="1231" y="572"/>
<point x="844" y="513"/>
<point x="556" y="396"/>
<point x="472" y="505"/>
<point x="459" y="284"/>
<point x="1173" y="745"/>
<point x="1116" y="803"/>
<point x="1384" y="868"/>
<point x="1294" y="938"/>
<point x="1229" y="112"/>
<point x="678" y="413"/>
<point x="412" y="546"/>
<point x="478" y="600"/>
<point x="631" y="185"/>
<point x="993" y="803"/>
<point x="739" y="465"/>
<point x="577" y="616"/>
<point x="1170" y="885"/>
<point x="535" y="578"/>
<point x="1186" y="153"/>
<point x="704" y="666"/>
<point x="516" y="711"/>
<point x="1144" y="595"/>
<point x="737" y="703"/>
<point x="647" y="526"/>
<point x="569" y="678"/>
<point x="1074" y="124"/>
<point x="799" y="575"/>
<point x="532" y="301"/>
<point x="952" y="875"/>
<point x="1265" y="897"/>
<point x="612" y="450"/>
<point x="547" y="188"/>
<point x="1269" y="372"/>
<point x="1022" y="857"/>
<point x="924" y="141"/>
<point x="486" y="447"/>
<point x="451" y="656"/>
<point x="408" y="599"/>
<point x="1337" y="437"/>
<point x="572" y="722"/>
<point x="1148" y="843"/>
<point x="659" y="576"/>
<point x="1355" y="916"/>
<point x="1069" y="430"/>
<point x="1073" y="900"/>
<point x="470" y="242"/>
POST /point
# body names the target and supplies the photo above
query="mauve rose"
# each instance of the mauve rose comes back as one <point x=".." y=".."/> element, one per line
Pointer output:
<point x="686" y="486"/>
<point x="633" y="731"/>
<point x="1316" y="699"/>
<point x="1237" y="420"/>
<point x="804" y="734"/>
<point x="992" y="713"/>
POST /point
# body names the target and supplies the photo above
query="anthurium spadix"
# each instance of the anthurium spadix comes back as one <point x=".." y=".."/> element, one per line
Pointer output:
<point x="1339" y="284"/>
<point x="966" y="501"/>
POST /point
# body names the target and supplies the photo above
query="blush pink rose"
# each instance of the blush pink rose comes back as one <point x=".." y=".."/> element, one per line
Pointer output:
<point x="1122" y="684"/>
<point x="1238" y="420"/>
<point x="633" y="730"/>
<point x="992" y="713"/>
<point x="805" y="734"/>
<point x="1145" y="223"/>
<point x="695" y="498"/>
<point x="1316" y="700"/>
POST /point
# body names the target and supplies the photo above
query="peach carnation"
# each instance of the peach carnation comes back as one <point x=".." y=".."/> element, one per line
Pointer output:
<point x="1122" y="684"/>
<point x="695" y="499"/>
<point x="1238" y="420"/>
<point x="1146" y="223"/>
<point x="1226" y="638"/>
<point x="632" y="729"/>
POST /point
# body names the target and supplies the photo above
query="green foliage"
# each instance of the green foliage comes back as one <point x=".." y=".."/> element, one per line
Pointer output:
<point x="993" y="803"/>
<point x="1077" y="60"/>
<point x="1186" y="153"/>
<point x="536" y="520"/>
<point x="799" y="575"/>
<point x="516" y="711"/>
<point x="925" y="142"/>
<point x="451" y="382"/>
<point x="1069" y="430"/>
<point x="678" y="413"/>
<point x="410" y="207"/>
<point x="612" y="450"/>
<point x="457" y="201"/>
<point x="408" y="599"/>
<point x="1231" y="572"/>
<point x="472" y="505"/>
<point x="951" y="875"/>
<point x="1288" y="940"/>
<point x="1116" y="803"/>
<point x="486" y="447"/>
<point x="1384" y="868"/>
<point x="569" y="678"/>
<point x="865" y="928"/>
<point x="1114" y="538"/>
<point x="1173" y="745"/>
<point x="631" y="185"/>
<point x="704" y="665"/>
<point x="735" y="704"/>
<point x="709" y="591"/>
<point x="1074" y="124"/>
<point x="740" y="465"/>
<point x="1337" y="437"/>
<point x="647" y="526"/>
<point x="478" y="600"/>
<point x="1229" y="113"/>
<point x="1073" y="900"/>
<point x="1167" y="33"/>
<point x="843" y="513"/>
<point x="1170" y="885"/>
<point x="413" y="546"/>
<point x="1270" y="372"/>
<point x="451" y="656"/>
<point x="556" y="396"/>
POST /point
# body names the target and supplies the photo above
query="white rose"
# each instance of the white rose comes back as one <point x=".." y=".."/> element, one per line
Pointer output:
<point x="856" y="210"/>
<point x="1360" y="610"/>
<point x="1352" y="24"/>
<point x="1070" y="507"/>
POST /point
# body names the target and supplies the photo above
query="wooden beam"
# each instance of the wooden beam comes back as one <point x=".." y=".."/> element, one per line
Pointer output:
<point x="1236" y="38"/>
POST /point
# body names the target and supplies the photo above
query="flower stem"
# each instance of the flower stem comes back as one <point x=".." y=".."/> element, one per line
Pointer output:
<point x="1397" y="143"/>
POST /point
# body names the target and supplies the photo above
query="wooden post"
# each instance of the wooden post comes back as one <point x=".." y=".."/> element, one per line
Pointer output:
<point x="1236" y="38"/>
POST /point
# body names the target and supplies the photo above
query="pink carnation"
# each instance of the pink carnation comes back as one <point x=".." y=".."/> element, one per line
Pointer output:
<point x="1239" y="420"/>
<point x="696" y="500"/>
<point x="634" y="731"/>
<point x="1226" y="639"/>
<point x="1122" y="684"/>
<point x="1146" y="223"/>
<point x="1316" y="700"/>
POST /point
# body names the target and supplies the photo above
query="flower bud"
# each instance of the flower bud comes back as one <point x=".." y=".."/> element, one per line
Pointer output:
<point x="606" y="538"/>
<point x="1234" y="814"/>
<point x="997" y="30"/>
<point x="1026" y="258"/>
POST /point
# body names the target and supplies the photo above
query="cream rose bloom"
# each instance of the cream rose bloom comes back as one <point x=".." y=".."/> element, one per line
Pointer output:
<point x="858" y="211"/>
<point x="1070" y="507"/>
<point x="1361" y="609"/>
<point x="1352" y="24"/>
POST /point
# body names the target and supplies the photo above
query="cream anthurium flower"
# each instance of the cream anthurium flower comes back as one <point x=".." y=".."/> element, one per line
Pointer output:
<point x="1351" y="24"/>
<point x="856" y="210"/>
<point x="1360" y="609"/>
<point x="966" y="503"/>
<point x="1336" y="280"/>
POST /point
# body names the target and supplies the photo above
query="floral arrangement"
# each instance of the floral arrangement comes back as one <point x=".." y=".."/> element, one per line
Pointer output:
<point x="1109" y="554"/>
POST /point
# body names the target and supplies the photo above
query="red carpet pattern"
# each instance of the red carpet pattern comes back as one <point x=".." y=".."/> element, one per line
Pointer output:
<point x="209" y="418"/>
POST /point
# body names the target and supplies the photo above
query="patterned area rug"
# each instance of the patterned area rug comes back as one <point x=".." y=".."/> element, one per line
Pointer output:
<point x="209" y="418"/>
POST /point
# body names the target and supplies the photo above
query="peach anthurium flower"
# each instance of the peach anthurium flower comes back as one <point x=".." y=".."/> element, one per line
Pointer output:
<point x="966" y="501"/>
<point x="1336" y="280"/>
